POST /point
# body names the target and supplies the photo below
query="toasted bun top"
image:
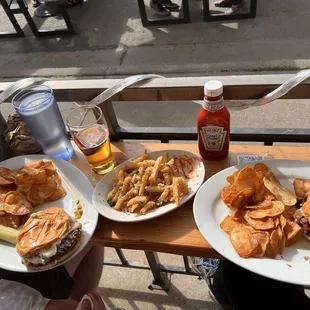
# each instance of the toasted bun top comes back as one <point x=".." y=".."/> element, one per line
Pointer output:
<point x="42" y="229"/>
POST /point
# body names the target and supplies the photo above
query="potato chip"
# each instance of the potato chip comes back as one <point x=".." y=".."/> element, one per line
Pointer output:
<point x="263" y="204"/>
<point x="281" y="193"/>
<point x="275" y="238"/>
<point x="60" y="192"/>
<point x="231" y="179"/>
<point x="243" y="241"/>
<point x="306" y="207"/>
<point x="225" y="191"/>
<point x="293" y="233"/>
<point x="260" y="194"/>
<point x="270" y="251"/>
<point x="16" y="203"/>
<point x="289" y="213"/>
<point x="261" y="167"/>
<point x="246" y="178"/>
<point x="10" y="220"/>
<point x="31" y="176"/>
<point x="36" y="164"/>
<point x="262" y="237"/>
<point x="242" y="198"/>
<point x="301" y="187"/>
<point x="6" y="177"/>
<point x="261" y="224"/>
<point x="2" y="198"/>
<point x="49" y="168"/>
<point x="282" y="222"/>
<point x="260" y="175"/>
<point x="24" y="188"/>
<point x="282" y="244"/>
<point x="228" y="224"/>
<point x="274" y="209"/>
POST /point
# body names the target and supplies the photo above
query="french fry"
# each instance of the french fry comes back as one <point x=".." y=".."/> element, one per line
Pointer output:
<point x="135" y="207"/>
<point x="138" y="199"/>
<point x="166" y="157"/>
<point x="179" y="168"/>
<point x="128" y="195"/>
<point x="142" y="158"/>
<point x="175" y="191"/>
<point x="146" y="183"/>
<point x="165" y="195"/>
<point x="121" y="176"/>
<point x="155" y="189"/>
<point x="147" y="163"/>
<point x="119" y="204"/>
<point x="125" y="185"/>
<point x="155" y="170"/>
<point x="183" y="186"/>
<point x="131" y="166"/>
<point x="117" y="195"/>
<point x="166" y="169"/>
<point x="170" y="163"/>
<point x="167" y="178"/>
<point x="147" y="207"/>
<point x="141" y="170"/>
<point x="143" y="185"/>
<point x="113" y="192"/>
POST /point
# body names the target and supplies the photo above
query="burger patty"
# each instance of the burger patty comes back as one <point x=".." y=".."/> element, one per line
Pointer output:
<point x="66" y="245"/>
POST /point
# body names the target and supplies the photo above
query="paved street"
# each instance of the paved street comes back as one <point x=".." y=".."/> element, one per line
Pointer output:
<point x="111" y="42"/>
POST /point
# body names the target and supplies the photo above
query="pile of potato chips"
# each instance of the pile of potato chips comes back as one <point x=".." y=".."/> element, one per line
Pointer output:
<point x="261" y="218"/>
<point x="30" y="186"/>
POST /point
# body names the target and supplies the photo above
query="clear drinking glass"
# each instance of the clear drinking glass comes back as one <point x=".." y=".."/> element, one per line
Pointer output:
<point x="90" y="132"/>
<point x="37" y="106"/>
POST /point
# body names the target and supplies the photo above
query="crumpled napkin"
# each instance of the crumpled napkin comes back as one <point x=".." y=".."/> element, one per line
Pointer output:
<point x="18" y="136"/>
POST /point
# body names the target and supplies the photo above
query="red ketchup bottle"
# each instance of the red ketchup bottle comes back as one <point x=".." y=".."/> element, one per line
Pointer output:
<point x="213" y="123"/>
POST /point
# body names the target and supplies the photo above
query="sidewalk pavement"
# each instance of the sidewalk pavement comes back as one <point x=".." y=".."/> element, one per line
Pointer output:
<point x="110" y="40"/>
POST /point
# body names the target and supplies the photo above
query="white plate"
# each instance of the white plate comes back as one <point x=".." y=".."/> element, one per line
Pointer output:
<point x="210" y="210"/>
<point x="9" y="259"/>
<point x="105" y="185"/>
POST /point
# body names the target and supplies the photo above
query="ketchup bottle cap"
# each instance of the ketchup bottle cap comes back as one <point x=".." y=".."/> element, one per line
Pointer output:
<point x="213" y="88"/>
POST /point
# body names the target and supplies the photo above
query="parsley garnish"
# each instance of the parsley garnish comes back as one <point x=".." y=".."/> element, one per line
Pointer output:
<point x="111" y="203"/>
<point x="147" y="194"/>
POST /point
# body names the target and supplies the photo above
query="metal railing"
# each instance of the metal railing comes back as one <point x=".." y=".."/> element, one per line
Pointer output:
<point x="158" y="270"/>
<point x="171" y="89"/>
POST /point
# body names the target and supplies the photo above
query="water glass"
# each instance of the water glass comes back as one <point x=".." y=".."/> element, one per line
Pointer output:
<point x="37" y="106"/>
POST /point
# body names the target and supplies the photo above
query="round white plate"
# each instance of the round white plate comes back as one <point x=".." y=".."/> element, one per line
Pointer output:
<point x="82" y="188"/>
<point x="105" y="185"/>
<point x="210" y="210"/>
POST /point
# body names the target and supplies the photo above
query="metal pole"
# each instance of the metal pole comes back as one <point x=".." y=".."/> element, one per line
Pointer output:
<point x="161" y="281"/>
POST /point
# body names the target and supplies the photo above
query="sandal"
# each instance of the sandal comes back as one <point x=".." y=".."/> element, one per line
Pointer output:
<point x="72" y="3"/>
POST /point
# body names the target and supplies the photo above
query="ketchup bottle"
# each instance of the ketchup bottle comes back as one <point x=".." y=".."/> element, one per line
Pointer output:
<point x="213" y="123"/>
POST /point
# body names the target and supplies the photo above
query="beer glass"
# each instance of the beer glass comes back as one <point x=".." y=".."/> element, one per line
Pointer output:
<point x="90" y="132"/>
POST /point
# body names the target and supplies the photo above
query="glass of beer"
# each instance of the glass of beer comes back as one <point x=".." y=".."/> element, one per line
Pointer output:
<point x="90" y="132"/>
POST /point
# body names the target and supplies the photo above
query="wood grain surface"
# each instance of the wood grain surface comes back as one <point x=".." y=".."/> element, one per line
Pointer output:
<point x="175" y="232"/>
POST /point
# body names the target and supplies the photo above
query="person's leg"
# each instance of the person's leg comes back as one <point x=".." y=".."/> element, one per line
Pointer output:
<point x="87" y="273"/>
<point x="168" y="4"/>
<point x="246" y="290"/>
<point x="223" y="3"/>
<point x="35" y="3"/>
<point x="237" y="5"/>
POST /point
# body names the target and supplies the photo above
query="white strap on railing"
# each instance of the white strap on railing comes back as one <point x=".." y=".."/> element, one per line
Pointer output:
<point x="127" y="82"/>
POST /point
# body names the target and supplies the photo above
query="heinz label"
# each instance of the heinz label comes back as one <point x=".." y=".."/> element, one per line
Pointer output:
<point x="213" y="137"/>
